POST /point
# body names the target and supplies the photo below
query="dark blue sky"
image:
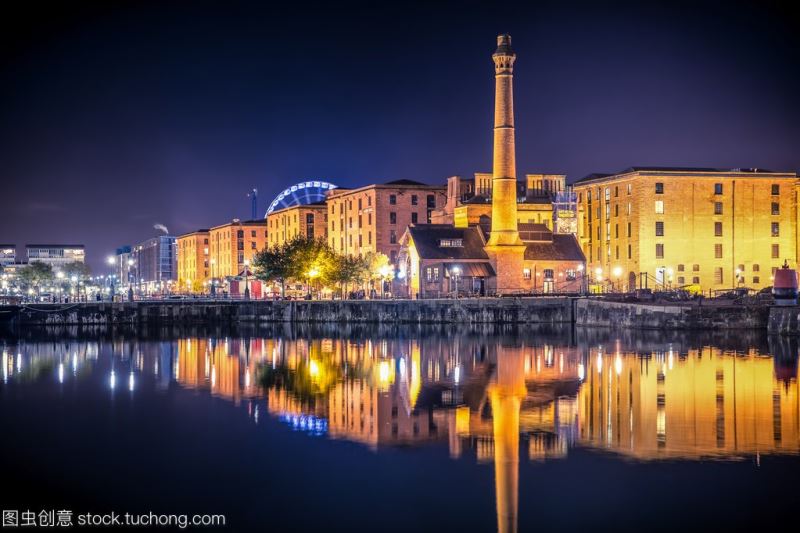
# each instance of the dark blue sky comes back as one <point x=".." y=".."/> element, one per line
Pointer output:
<point x="113" y="118"/>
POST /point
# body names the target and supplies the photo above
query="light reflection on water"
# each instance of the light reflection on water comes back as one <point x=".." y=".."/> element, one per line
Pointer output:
<point x="497" y="398"/>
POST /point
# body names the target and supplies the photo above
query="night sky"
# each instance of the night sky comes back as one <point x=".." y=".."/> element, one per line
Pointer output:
<point x="117" y="117"/>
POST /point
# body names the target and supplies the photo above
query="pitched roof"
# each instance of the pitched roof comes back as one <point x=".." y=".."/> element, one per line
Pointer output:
<point x="428" y="236"/>
<point x="564" y="247"/>
<point x="629" y="170"/>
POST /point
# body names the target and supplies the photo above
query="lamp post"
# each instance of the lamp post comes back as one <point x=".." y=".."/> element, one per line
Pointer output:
<point x="455" y="271"/>
<point x="617" y="275"/>
<point x="384" y="272"/>
<point x="312" y="273"/>
<point x="112" y="261"/>
<point x="246" y="279"/>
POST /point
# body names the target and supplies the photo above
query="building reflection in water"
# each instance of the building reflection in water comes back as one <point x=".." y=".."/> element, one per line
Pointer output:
<point x="492" y="397"/>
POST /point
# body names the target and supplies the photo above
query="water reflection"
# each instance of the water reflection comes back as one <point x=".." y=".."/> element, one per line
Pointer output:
<point x="493" y="396"/>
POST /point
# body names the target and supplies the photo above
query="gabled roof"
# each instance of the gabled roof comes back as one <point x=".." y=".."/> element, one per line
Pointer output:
<point x="428" y="236"/>
<point x="564" y="247"/>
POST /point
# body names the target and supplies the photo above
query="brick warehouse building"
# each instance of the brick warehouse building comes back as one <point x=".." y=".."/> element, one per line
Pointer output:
<point x="308" y="221"/>
<point x="373" y="218"/>
<point x="699" y="227"/>
<point x="234" y="243"/>
<point x="194" y="260"/>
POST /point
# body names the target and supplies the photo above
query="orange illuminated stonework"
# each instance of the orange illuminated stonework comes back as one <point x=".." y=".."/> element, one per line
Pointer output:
<point x="374" y="218"/>
<point x="297" y="221"/>
<point x="193" y="260"/>
<point x="233" y="243"/>
<point x="697" y="228"/>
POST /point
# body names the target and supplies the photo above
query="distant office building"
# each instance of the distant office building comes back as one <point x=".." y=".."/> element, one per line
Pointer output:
<point x="125" y="266"/>
<point x="55" y="255"/>
<point x="193" y="260"/>
<point x="154" y="264"/>
<point x="8" y="254"/>
<point x="309" y="221"/>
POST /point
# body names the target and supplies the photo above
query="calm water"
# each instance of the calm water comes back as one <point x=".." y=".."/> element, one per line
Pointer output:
<point x="405" y="429"/>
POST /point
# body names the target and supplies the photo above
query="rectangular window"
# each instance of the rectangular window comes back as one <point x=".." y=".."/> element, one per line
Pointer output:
<point x="616" y="191"/>
<point x="756" y="267"/>
<point x="629" y="209"/>
<point x="740" y="268"/>
<point x="629" y="251"/>
<point x="717" y="229"/>
<point x="659" y="251"/>
<point x="393" y="237"/>
<point x="616" y="231"/>
<point x="717" y="208"/>
<point x="431" y="201"/>
<point x="776" y="189"/>
<point x="717" y="188"/>
<point x="718" y="275"/>
<point x="695" y="268"/>
<point x="253" y="233"/>
<point x="526" y="273"/>
<point x="629" y="230"/>
<point x="659" y="229"/>
<point x="616" y="210"/>
<point x="392" y="199"/>
<point x="776" y="208"/>
<point x="630" y="189"/>
<point x="428" y="274"/>
<point x="413" y="218"/>
<point x="659" y="188"/>
<point x="776" y="229"/>
<point x="756" y="279"/>
<point x="659" y="207"/>
<point x="696" y="279"/>
<point x="681" y="280"/>
<point x="392" y="217"/>
<point x="616" y="252"/>
<point x="718" y="251"/>
<point x="608" y="194"/>
<point x="776" y="251"/>
<point x="435" y="273"/>
<point x="681" y="268"/>
<point x="414" y="199"/>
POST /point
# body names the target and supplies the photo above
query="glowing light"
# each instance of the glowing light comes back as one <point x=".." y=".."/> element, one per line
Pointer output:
<point x="618" y="364"/>
<point x="60" y="275"/>
<point x="599" y="363"/>
<point x="111" y="260"/>
<point x="581" y="371"/>
<point x="61" y="372"/>
<point x="383" y="372"/>
<point x="457" y="374"/>
<point x="313" y="368"/>
<point x="113" y="380"/>
<point x="617" y="271"/>
<point x="131" y="382"/>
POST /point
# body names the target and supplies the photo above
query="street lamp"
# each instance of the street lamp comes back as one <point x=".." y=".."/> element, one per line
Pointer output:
<point x="384" y="272"/>
<point x="617" y="274"/>
<point x="455" y="271"/>
<point x="313" y="273"/>
<point x="246" y="279"/>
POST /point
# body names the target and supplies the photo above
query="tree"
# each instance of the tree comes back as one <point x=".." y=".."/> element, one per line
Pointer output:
<point x="273" y="264"/>
<point x="76" y="268"/>
<point x="36" y="274"/>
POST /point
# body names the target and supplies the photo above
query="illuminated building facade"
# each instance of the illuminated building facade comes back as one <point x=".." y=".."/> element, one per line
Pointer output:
<point x="234" y="243"/>
<point x="154" y="265"/>
<point x="8" y="254"/>
<point x="308" y="221"/>
<point x="55" y="255"/>
<point x="373" y="218"/>
<point x="701" y="228"/>
<point x="193" y="250"/>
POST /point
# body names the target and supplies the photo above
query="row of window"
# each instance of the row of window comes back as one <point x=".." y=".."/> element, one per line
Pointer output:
<point x="429" y="199"/>
<point x="775" y="190"/>
<point x="775" y="209"/>
<point x="776" y="251"/>
<point x="392" y="220"/>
